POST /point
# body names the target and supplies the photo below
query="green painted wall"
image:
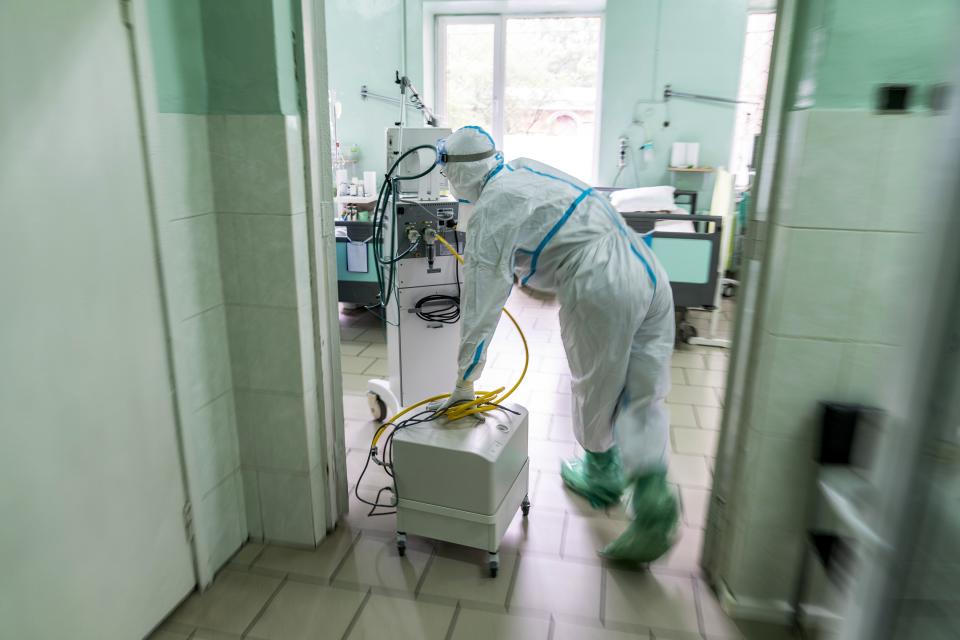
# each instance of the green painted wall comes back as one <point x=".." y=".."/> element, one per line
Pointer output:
<point x="363" y="42"/>
<point x="693" y="45"/>
<point x="850" y="47"/>
<point x="224" y="56"/>
<point x="176" y="33"/>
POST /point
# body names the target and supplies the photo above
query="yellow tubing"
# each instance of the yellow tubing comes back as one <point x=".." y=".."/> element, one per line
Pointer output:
<point x="485" y="400"/>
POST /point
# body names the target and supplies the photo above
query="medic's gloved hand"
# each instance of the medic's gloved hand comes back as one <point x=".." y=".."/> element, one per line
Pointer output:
<point x="462" y="392"/>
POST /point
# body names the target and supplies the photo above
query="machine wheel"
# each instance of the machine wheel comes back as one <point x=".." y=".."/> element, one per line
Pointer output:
<point x="493" y="562"/>
<point x="525" y="506"/>
<point x="729" y="290"/>
<point x="687" y="331"/>
<point x="401" y="543"/>
<point x="378" y="408"/>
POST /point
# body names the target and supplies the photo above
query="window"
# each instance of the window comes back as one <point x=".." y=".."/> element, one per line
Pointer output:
<point x="758" y="46"/>
<point x="531" y="81"/>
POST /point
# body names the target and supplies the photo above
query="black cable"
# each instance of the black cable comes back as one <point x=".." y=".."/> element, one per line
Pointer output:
<point x="448" y="313"/>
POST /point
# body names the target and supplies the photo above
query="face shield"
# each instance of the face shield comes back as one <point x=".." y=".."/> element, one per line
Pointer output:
<point x="466" y="158"/>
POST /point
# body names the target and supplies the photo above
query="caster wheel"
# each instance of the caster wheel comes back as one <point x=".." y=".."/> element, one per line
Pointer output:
<point x="687" y="331"/>
<point x="525" y="506"/>
<point x="493" y="563"/>
<point x="729" y="291"/>
<point x="401" y="543"/>
<point x="378" y="408"/>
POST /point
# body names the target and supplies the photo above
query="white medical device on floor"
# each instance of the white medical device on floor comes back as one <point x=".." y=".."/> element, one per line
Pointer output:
<point x="422" y="334"/>
<point x="462" y="481"/>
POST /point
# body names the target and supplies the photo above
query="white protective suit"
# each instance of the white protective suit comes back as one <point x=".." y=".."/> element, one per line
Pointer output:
<point x="616" y="307"/>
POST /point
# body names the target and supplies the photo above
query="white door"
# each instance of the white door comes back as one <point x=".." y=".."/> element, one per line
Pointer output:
<point x="92" y="542"/>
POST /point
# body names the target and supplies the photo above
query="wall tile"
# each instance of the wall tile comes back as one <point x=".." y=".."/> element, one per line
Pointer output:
<point x="275" y="422"/>
<point x="294" y="140"/>
<point x="893" y="269"/>
<point x="794" y="375"/>
<point x="286" y="506"/>
<point x="909" y="170"/>
<point x="257" y="260"/>
<point x="221" y="521"/>
<point x="837" y="182"/>
<point x="211" y="444"/>
<point x="265" y="348"/>
<point x="249" y="164"/>
<point x="820" y="281"/>
<point x="184" y="178"/>
<point x="867" y="373"/>
<point x="778" y="474"/>
<point x="251" y="500"/>
<point x="753" y="573"/>
<point x="202" y="358"/>
<point x="192" y="265"/>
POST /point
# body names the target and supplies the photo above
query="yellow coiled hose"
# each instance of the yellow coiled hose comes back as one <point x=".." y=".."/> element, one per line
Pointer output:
<point x="485" y="400"/>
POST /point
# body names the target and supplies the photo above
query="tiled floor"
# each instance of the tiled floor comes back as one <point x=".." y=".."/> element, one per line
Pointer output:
<point x="551" y="585"/>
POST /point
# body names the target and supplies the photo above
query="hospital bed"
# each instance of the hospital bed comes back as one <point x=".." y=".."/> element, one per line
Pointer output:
<point x="356" y="274"/>
<point x="689" y="246"/>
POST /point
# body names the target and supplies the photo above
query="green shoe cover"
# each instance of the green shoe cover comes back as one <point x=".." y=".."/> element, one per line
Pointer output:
<point x="598" y="477"/>
<point x="652" y="531"/>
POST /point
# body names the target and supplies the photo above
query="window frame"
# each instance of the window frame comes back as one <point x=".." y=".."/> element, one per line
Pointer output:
<point x="435" y="61"/>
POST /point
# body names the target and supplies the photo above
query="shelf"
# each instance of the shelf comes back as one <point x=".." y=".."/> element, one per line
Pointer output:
<point x="691" y="169"/>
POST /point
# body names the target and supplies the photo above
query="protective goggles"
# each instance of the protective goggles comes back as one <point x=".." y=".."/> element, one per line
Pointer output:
<point x="443" y="157"/>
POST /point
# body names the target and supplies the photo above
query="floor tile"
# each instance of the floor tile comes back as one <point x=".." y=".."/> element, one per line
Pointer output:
<point x="705" y="378"/>
<point x="694" y="441"/>
<point x="379" y="369"/>
<point x="570" y="631"/>
<point x="541" y="532"/>
<point x="230" y="604"/>
<point x="308" y="612"/>
<point x="373" y="335"/>
<point x="484" y="625"/>
<point x="357" y="517"/>
<point x="355" y="364"/>
<point x="356" y="383"/>
<point x="317" y="563"/>
<point x="557" y="404"/>
<point x="686" y="394"/>
<point x="166" y="634"/>
<point x="357" y="434"/>
<point x="384" y="617"/>
<point x="538" y="426"/>
<point x="546" y="455"/>
<point x="686" y="551"/>
<point x="561" y="429"/>
<point x="689" y="360"/>
<point x="247" y="554"/>
<point x="584" y="537"/>
<point x="462" y="573"/>
<point x="677" y="376"/>
<point x="552" y="494"/>
<point x="375" y="350"/>
<point x="653" y="600"/>
<point x="374" y="477"/>
<point x="708" y="417"/>
<point x="718" y="361"/>
<point x="716" y="623"/>
<point x="690" y="471"/>
<point x="355" y="406"/>
<point x="682" y="415"/>
<point x="352" y="348"/>
<point x="376" y="562"/>
<point x="545" y="584"/>
<point x="695" y="504"/>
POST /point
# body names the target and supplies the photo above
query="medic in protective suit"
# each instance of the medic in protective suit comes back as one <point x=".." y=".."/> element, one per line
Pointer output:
<point x="616" y="319"/>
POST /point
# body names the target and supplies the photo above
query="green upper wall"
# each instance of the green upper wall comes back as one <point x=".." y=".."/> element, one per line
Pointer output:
<point x="223" y="56"/>
<point x="692" y="45"/>
<point x="849" y="47"/>
<point x="695" y="45"/>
